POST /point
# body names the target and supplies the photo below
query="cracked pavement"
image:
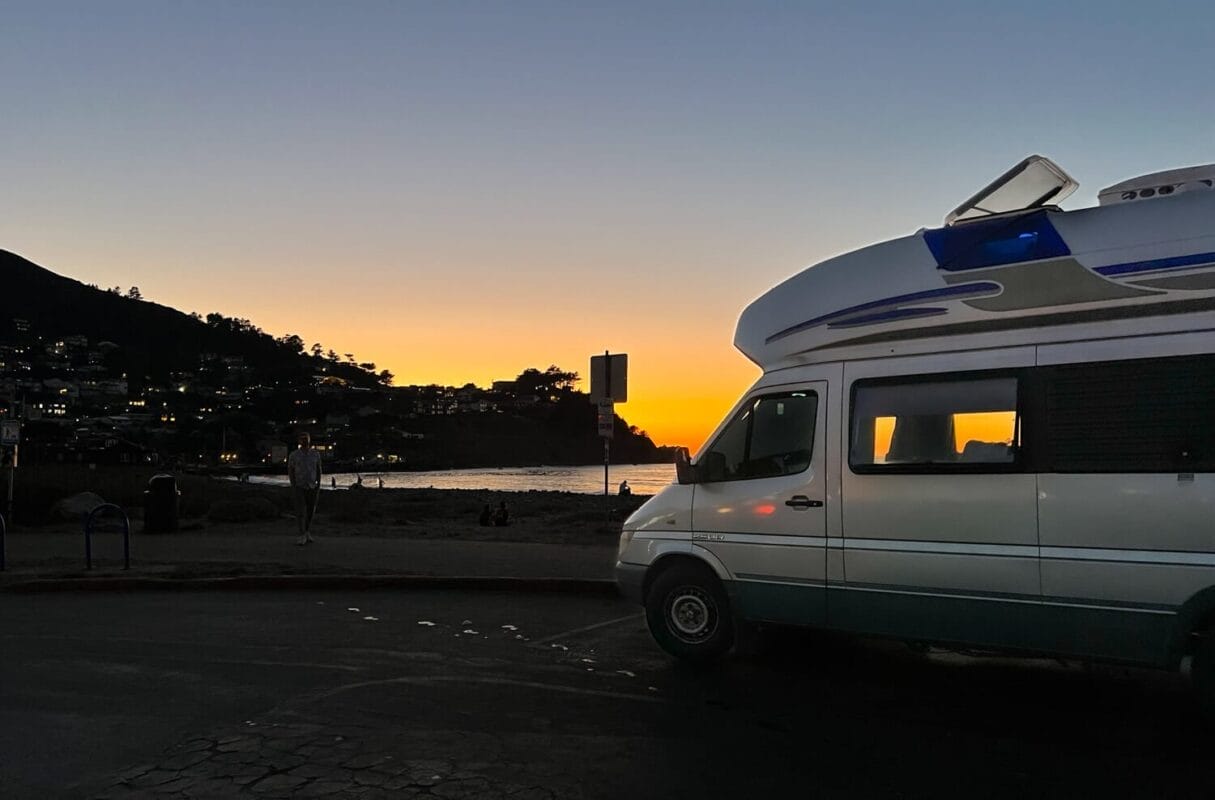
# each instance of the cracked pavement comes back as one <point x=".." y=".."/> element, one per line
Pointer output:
<point x="300" y="759"/>
<point x="485" y="695"/>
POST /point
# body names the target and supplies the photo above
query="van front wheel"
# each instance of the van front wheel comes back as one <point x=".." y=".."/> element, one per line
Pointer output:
<point x="689" y="614"/>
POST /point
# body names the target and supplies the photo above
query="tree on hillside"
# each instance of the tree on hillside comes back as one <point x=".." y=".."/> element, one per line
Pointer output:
<point x="553" y="381"/>
<point x="134" y="294"/>
<point x="291" y="342"/>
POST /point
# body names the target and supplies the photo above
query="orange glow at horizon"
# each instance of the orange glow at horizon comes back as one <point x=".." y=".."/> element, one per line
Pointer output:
<point x="473" y="315"/>
<point x="678" y="393"/>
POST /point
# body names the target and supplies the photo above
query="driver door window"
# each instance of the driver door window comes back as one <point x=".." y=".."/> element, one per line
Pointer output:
<point x="770" y="436"/>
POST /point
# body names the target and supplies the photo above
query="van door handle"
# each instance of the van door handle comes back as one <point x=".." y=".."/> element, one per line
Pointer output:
<point x="801" y="501"/>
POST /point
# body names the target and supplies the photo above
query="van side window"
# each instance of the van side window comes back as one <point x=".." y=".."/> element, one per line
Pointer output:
<point x="958" y="425"/>
<point x="1145" y="415"/>
<point x="772" y="435"/>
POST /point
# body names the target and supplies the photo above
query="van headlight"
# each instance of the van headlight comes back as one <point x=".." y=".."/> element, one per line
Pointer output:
<point x="626" y="538"/>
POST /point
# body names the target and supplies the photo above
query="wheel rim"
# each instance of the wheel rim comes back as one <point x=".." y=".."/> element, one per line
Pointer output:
<point x="691" y="614"/>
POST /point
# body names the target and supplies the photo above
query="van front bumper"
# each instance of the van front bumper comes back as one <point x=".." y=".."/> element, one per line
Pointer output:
<point x="630" y="580"/>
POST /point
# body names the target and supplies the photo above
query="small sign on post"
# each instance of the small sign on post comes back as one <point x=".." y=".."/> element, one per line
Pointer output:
<point x="607" y="418"/>
<point x="10" y="432"/>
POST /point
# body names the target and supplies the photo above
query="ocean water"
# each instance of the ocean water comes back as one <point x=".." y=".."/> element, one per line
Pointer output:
<point x="642" y="478"/>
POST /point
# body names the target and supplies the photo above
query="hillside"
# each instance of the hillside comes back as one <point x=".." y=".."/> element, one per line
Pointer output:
<point x="99" y="376"/>
<point x="155" y="340"/>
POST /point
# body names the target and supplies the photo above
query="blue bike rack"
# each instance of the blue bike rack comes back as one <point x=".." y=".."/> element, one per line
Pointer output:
<point x="103" y="519"/>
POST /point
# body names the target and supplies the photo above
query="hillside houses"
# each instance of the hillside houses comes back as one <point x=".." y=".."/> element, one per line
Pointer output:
<point x="72" y="392"/>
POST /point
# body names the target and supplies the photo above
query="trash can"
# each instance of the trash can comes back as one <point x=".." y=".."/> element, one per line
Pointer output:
<point x="160" y="504"/>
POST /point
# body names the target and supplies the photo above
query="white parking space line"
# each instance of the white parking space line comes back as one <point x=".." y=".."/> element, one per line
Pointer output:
<point x="421" y="680"/>
<point x="584" y="629"/>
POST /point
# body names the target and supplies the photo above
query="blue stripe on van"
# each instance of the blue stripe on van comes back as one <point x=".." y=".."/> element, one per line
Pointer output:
<point x="888" y="316"/>
<point x="1154" y="265"/>
<point x="965" y="290"/>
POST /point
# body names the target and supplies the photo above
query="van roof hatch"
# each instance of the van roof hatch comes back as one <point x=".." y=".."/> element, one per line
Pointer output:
<point x="1035" y="182"/>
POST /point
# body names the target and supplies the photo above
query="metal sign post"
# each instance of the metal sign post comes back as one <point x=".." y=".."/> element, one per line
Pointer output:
<point x="607" y="428"/>
<point x="12" y="470"/>
<point x="10" y="436"/>
<point x="609" y="385"/>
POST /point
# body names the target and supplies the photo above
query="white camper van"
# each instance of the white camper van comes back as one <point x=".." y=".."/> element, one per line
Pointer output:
<point x="999" y="432"/>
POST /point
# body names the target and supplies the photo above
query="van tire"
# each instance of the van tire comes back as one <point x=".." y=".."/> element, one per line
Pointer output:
<point x="689" y="613"/>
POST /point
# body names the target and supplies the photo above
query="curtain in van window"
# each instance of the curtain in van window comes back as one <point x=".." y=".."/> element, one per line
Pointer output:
<point x="934" y="423"/>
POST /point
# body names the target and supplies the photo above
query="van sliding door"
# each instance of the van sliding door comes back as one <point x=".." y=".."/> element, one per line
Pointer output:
<point x="940" y="533"/>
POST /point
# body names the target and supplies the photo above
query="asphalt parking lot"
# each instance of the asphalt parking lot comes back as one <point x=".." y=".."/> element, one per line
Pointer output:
<point x="448" y="694"/>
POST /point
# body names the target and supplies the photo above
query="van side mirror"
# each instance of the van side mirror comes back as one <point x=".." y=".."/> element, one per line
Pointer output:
<point x="685" y="471"/>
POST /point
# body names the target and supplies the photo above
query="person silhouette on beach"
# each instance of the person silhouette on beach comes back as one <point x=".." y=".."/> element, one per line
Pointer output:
<point x="487" y="516"/>
<point x="304" y="474"/>
<point x="625" y="490"/>
<point x="501" y="516"/>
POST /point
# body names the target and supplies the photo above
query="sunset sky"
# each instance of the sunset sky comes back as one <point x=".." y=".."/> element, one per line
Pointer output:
<point x="459" y="191"/>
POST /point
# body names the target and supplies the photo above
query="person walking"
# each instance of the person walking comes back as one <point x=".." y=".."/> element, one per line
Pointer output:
<point x="304" y="473"/>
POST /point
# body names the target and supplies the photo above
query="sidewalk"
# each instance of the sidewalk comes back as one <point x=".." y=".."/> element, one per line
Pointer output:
<point x="55" y="555"/>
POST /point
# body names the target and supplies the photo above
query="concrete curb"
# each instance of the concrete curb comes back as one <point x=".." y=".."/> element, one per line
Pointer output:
<point x="257" y="583"/>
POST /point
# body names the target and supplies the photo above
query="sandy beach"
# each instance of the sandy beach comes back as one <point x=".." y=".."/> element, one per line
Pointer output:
<point x="536" y="516"/>
<point x="225" y="507"/>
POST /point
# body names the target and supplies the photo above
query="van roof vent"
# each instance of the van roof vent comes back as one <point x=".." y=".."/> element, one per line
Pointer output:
<point x="1034" y="183"/>
<point x="1159" y="184"/>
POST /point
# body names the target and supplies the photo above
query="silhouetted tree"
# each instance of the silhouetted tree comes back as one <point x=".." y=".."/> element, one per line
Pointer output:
<point x="552" y="381"/>
<point x="134" y="294"/>
<point x="292" y="342"/>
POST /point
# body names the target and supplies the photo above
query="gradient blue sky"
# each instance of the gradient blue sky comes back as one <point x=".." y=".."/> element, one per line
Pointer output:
<point x="458" y="191"/>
